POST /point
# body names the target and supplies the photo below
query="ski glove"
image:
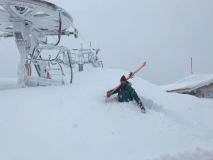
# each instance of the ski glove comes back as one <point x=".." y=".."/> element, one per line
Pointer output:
<point x="109" y="93"/>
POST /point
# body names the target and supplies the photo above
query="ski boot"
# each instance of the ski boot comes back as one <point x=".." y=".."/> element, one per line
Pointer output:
<point x="142" y="107"/>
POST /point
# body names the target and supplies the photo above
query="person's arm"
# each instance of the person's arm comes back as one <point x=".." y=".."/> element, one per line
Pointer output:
<point x="112" y="91"/>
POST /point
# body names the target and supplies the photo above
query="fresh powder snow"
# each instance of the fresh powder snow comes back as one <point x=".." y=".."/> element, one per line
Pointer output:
<point x="77" y="122"/>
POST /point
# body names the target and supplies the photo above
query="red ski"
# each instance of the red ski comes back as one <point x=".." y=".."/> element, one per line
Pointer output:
<point x="129" y="77"/>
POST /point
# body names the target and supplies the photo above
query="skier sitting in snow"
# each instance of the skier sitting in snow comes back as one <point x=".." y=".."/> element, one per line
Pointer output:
<point x="126" y="93"/>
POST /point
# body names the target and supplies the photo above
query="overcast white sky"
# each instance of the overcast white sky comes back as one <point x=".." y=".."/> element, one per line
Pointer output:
<point x="165" y="33"/>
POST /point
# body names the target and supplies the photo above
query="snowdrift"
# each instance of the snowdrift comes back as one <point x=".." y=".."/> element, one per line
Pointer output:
<point x="76" y="122"/>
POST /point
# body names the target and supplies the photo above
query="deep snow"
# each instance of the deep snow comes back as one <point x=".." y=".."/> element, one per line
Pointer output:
<point x="76" y="122"/>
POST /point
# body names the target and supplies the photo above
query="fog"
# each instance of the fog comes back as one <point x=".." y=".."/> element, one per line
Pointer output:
<point x="165" y="33"/>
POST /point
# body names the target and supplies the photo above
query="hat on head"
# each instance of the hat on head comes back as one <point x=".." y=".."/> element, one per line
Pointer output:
<point x="123" y="78"/>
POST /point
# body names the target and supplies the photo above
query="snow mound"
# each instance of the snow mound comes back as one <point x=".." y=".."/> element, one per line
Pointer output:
<point x="75" y="122"/>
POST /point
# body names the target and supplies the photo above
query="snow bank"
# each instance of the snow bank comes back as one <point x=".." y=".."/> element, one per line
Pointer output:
<point x="75" y="122"/>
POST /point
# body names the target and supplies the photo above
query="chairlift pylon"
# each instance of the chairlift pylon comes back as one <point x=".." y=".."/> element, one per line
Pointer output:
<point x="31" y="22"/>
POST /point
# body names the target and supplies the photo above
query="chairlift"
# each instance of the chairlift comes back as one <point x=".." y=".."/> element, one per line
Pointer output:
<point x="31" y="22"/>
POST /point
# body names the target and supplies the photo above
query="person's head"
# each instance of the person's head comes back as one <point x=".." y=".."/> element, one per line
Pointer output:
<point x="123" y="80"/>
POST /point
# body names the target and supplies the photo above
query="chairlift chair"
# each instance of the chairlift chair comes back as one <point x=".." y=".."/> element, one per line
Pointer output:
<point x="31" y="22"/>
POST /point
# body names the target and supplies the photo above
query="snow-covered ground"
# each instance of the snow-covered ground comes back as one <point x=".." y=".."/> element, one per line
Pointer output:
<point x="77" y="122"/>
